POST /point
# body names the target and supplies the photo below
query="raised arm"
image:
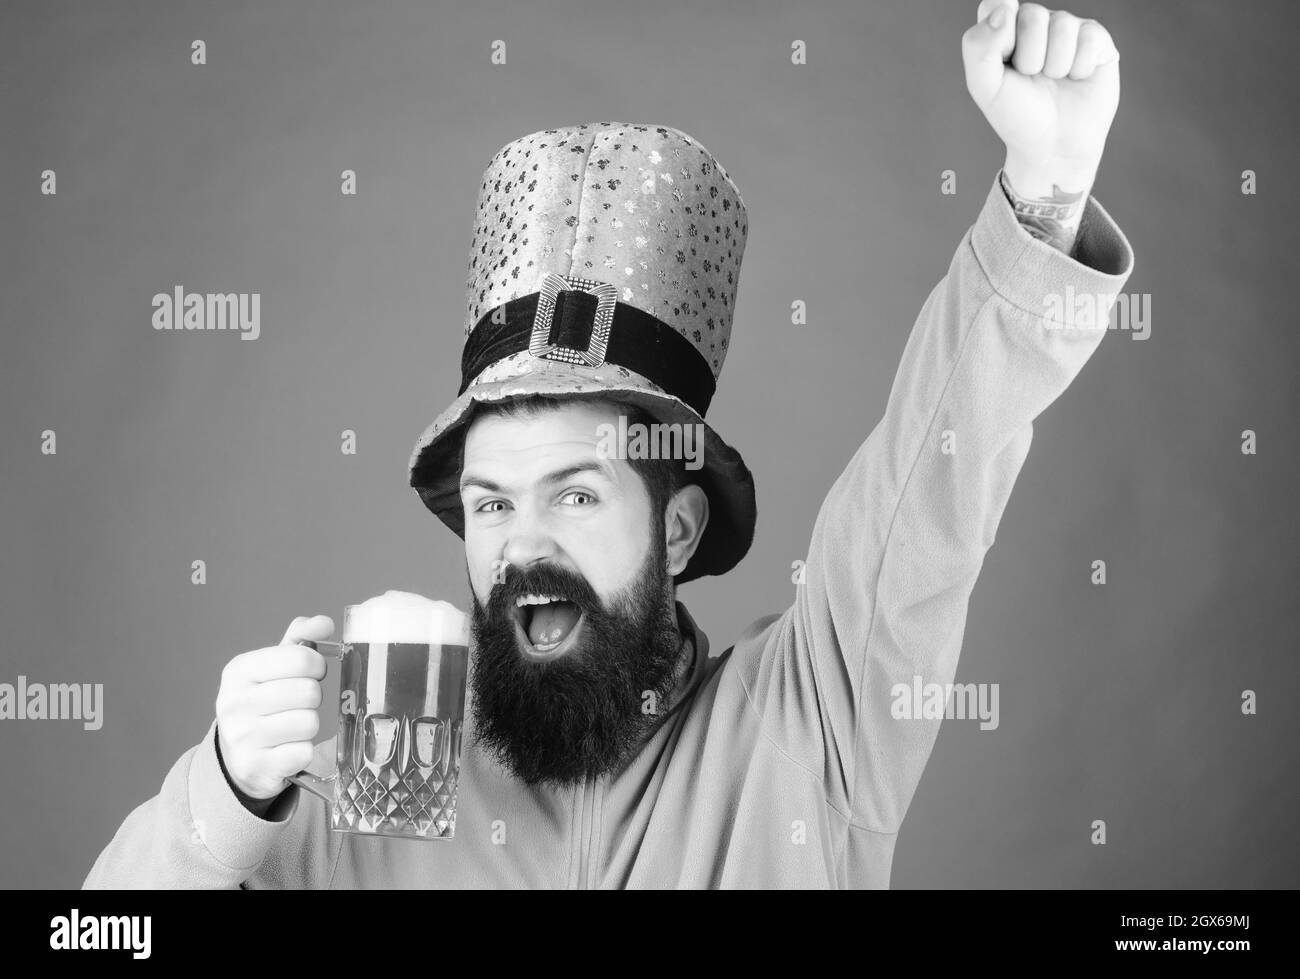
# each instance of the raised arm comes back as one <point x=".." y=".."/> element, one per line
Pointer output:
<point x="902" y="534"/>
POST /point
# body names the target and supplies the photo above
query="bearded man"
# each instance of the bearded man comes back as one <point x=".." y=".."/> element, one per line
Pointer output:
<point x="604" y="745"/>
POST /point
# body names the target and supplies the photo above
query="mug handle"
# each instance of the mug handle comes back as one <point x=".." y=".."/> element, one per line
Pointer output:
<point x="316" y="784"/>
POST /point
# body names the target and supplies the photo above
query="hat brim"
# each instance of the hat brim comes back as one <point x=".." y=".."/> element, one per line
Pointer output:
<point x="436" y="461"/>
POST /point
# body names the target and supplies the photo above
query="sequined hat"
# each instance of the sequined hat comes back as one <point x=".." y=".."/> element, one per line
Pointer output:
<point x="604" y="264"/>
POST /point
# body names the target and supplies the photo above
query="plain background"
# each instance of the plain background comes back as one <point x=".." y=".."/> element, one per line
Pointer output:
<point x="1119" y="702"/>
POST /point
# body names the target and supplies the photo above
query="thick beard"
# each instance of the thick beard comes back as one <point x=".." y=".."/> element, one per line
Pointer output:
<point x="582" y="715"/>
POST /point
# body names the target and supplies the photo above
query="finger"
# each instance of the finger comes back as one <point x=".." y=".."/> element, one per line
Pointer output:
<point x="987" y="7"/>
<point x="985" y="48"/>
<point x="1031" y="38"/>
<point x="292" y="758"/>
<point x="290" y="693"/>
<point x="308" y="628"/>
<point x="1062" y="42"/>
<point x="1095" y="48"/>
<point x="285" y="727"/>
<point x="278" y="662"/>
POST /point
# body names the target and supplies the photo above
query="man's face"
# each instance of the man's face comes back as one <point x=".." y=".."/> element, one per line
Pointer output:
<point x="536" y="492"/>
<point x="561" y="686"/>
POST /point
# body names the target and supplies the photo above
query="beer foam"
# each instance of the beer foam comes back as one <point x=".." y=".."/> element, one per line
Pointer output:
<point x="402" y="616"/>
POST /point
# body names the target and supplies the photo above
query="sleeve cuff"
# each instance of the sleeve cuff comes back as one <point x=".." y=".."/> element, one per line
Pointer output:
<point x="232" y="834"/>
<point x="1026" y="271"/>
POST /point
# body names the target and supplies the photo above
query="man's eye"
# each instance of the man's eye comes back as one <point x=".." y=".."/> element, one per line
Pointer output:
<point x="486" y="507"/>
<point x="579" y="496"/>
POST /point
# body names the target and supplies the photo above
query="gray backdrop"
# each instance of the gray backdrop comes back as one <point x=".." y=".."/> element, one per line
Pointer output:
<point x="1119" y="702"/>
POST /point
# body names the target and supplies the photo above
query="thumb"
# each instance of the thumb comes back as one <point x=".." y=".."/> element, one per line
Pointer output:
<point x="307" y="630"/>
<point x="986" y="47"/>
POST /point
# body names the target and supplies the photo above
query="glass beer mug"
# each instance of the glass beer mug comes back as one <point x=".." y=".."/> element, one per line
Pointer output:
<point x="403" y="667"/>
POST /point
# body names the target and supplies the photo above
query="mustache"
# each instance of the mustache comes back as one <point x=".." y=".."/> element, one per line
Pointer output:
<point x="546" y="579"/>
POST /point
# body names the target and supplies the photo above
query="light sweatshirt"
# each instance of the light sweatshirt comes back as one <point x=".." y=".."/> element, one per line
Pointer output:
<point x="780" y="762"/>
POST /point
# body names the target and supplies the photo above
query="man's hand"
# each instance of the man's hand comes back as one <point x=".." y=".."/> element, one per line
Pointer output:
<point x="266" y="709"/>
<point x="1048" y="83"/>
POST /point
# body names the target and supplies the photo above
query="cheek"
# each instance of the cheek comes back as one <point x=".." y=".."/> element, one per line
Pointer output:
<point x="611" y="554"/>
<point x="483" y="564"/>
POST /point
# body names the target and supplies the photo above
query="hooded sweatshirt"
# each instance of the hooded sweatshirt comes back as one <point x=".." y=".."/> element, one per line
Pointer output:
<point x="790" y="758"/>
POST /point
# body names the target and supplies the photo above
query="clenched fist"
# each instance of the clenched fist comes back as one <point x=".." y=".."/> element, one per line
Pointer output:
<point x="266" y="709"/>
<point x="1048" y="83"/>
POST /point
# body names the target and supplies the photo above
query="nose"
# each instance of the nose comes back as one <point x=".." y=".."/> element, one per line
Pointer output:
<point x="529" y="540"/>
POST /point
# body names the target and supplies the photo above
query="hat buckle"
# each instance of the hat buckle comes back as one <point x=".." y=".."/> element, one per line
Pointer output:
<point x="606" y="297"/>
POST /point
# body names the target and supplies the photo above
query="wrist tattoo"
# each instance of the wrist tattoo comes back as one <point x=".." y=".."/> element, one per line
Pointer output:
<point x="1053" y="219"/>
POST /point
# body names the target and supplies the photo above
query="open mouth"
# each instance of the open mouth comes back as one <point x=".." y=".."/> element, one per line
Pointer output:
<point x="546" y="625"/>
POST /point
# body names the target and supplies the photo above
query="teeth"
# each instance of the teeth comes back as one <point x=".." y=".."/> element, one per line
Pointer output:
<point x="537" y="600"/>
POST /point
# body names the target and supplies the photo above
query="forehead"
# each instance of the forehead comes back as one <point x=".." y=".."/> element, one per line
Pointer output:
<point x="571" y="431"/>
<point x="577" y="420"/>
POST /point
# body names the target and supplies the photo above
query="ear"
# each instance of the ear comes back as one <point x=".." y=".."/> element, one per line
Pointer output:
<point x="684" y="521"/>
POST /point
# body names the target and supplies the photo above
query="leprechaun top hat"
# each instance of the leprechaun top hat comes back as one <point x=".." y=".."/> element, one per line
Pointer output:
<point x="604" y="264"/>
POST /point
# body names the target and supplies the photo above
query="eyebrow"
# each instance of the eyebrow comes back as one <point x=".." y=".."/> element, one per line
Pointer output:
<point x="558" y="476"/>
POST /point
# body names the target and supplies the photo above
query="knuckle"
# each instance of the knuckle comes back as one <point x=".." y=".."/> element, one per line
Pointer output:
<point x="289" y="659"/>
<point x="292" y="692"/>
<point x="1093" y="30"/>
<point x="302" y="659"/>
<point x="311" y="694"/>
